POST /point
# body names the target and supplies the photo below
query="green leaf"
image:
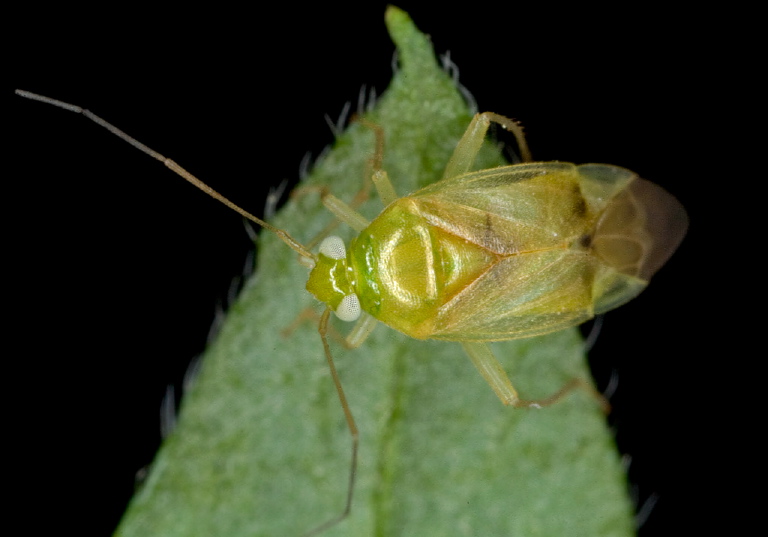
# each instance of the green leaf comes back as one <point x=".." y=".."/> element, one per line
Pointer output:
<point x="262" y="448"/>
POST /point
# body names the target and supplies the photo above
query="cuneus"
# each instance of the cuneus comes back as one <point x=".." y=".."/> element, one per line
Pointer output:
<point x="485" y="255"/>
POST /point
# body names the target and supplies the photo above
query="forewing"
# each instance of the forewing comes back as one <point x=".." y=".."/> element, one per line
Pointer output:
<point x="508" y="210"/>
<point x="530" y="217"/>
<point x="521" y="296"/>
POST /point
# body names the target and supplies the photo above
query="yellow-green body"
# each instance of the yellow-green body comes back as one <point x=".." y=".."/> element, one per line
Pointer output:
<point x="503" y="253"/>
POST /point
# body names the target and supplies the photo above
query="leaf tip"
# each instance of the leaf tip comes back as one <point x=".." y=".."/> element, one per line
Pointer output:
<point x="413" y="47"/>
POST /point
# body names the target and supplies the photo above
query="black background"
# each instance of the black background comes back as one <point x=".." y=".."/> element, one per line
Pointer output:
<point x="111" y="255"/>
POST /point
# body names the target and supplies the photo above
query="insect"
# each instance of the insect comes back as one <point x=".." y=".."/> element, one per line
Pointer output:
<point x="479" y="256"/>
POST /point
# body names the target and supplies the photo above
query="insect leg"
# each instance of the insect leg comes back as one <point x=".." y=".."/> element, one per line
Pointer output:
<point x="490" y="368"/>
<point x="468" y="147"/>
<point x="347" y="213"/>
<point x="573" y="384"/>
<point x="379" y="177"/>
<point x="323" y="328"/>
<point x="360" y="332"/>
<point x="384" y="187"/>
<point x="344" y="212"/>
<point x="324" y="192"/>
<point x="356" y="337"/>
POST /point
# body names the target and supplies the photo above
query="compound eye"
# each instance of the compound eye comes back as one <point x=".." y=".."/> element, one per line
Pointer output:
<point x="333" y="247"/>
<point x="349" y="309"/>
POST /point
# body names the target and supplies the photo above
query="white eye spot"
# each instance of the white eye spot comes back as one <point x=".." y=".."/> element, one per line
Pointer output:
<point x="349" y="309"/>
<point x="333" y="247"/>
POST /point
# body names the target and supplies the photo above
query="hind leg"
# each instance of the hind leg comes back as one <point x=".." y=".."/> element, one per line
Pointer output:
<point x="468" y="147"/>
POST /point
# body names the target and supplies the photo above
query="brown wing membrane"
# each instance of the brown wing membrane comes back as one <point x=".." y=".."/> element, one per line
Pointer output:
<point x="640" y="229"/>
<point x="636" y="234"/>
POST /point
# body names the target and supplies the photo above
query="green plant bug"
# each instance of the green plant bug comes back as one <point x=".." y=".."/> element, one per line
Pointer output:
<point x="479" y="256"/>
